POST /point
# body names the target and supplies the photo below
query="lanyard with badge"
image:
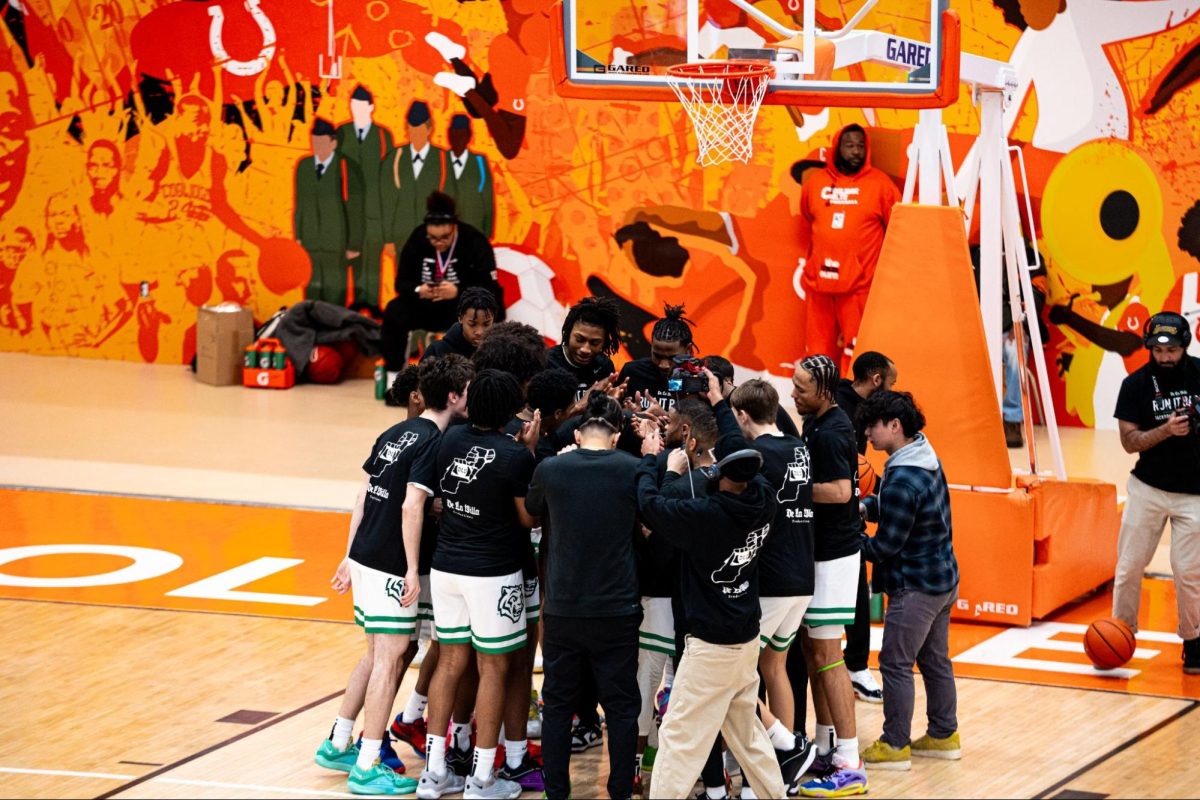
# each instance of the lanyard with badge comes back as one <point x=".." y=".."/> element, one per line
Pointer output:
<point x="444" y="264"/>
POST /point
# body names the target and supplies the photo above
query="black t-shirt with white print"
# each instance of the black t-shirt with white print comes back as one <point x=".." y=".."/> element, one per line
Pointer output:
<point x="479" y="475"/>
<point x="785" y="566"/>
<point x="404" y="454"/>
<point x="646" y="378"/>
<point x="1147" y="398"/>
<point x="834" y="453"/>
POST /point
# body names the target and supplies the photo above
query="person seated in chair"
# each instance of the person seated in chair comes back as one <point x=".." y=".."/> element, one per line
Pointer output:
<point x="442" y="258"/>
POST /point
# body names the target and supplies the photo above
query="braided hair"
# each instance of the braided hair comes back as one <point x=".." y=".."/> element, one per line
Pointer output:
<point x="494" y="399"/>
<point x="603" y="312"/>
<point x="674" y="327"/>
<point x="824" y="372"/>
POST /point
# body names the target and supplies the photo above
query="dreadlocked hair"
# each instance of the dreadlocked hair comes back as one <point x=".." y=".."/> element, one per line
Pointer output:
<point x="824" y="372"/>
<point x="674" y="327"/>
<point x="494" y="399"/>
<point x="603" y="312"/>
<point x="477" y="298"/>
<point x="512" y="347"/>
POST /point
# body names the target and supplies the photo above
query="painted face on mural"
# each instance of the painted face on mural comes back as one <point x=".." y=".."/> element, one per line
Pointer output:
<point x="360" y="112"/>
<point x="194" y="120"/>
<point x="14" y="149"/>
<point x="15" y="246"/>
<point x="62" y="217"/>
<point x="103" y="165"/>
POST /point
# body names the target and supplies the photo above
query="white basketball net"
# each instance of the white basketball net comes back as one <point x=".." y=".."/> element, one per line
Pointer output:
<point x="722" y="110"/>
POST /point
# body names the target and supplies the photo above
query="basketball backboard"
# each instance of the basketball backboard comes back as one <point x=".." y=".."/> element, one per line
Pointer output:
<point x="883" y="53"/>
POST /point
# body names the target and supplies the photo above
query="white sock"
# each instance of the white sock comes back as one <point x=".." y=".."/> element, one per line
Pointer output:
<point x="460" y="734"/>
<point x="342" y="730"/>
<point x="415" y="708"/>
<point x="781" y="737"/>
<point x="514" y="752"/>
<point x="847" y="752"/>
<point x="715" y="792"/>
<point x="368" y="752"/>
<point x="485" y="760"/>
<point x="825" y="739"/>
<point x="748" y="792"/>
<point x="435" y="754"/>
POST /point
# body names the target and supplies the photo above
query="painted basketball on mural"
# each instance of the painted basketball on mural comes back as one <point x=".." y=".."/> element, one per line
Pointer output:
<point x="529" y="291"/>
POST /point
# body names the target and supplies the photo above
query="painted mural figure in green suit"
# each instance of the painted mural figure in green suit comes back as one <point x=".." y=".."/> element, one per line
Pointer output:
<point x="410" y="173"/>
<point x="469" y="179"/>
<point x="328" y="220"/>
<point x="366" y="143"/>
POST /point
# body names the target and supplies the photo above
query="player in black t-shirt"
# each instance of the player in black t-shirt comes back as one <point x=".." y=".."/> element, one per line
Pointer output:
<point x="381" y="566"/>
<point x="591" y="333"/>
<point x="831" y="446"/>
<point x="1158" y="412"/>
<point x="785" y="565"/>
<point x="477" y="311"/>
<point x="645" y="379"/>
<point x="477" y="581"/>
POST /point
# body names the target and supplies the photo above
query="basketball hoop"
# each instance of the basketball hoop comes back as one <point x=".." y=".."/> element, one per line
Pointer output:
<point x="722" y="99"/>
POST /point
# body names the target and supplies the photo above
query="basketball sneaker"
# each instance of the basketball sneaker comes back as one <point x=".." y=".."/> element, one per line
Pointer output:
<point x="1191" y="656"/>
<point x="494" y="789"/>
<point x="881" y="755"/>
<point x="793" y="763"/>
<point x="330" y="757"/>
<point x="865" y="686"/>
<point x="411" y="733"/>
<point x="458" y="761"/>
<point x="528" y="774"/>
<point x="432" y="785"/>
<point x="585" y="737"/>
<point x="387" y="754"/>
<point x="842" y="782"/>
<point x="648" y="756"/>
<point x="379" y="779"/>
<point x="948" y="749"/>
<point x="661" y="701"/>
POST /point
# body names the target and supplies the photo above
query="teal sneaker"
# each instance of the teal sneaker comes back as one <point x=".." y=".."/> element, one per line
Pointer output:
<point x="380" y="779"/>
<point x="330" y="757"/>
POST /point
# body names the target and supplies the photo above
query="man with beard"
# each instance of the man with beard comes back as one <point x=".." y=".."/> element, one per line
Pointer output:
<point x="645" y="380"/>
<point x="845" y="209"/>
<point x="1157" y="414"/>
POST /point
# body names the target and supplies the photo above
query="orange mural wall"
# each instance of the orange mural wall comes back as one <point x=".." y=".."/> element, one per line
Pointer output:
<point x="149" y="153"/>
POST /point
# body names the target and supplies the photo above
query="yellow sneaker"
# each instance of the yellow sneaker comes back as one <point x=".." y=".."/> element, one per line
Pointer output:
<point x="881" y="755"/>
<point x="948" y="749"/>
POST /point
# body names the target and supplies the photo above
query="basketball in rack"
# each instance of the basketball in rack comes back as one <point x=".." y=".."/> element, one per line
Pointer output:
<point x="722" y="99"/>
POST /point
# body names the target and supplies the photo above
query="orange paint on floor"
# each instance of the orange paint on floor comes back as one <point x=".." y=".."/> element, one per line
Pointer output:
<point x="210" y="539"/>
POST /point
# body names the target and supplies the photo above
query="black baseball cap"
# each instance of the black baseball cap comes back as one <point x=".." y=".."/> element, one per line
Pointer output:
<point x="1165" y="330"/>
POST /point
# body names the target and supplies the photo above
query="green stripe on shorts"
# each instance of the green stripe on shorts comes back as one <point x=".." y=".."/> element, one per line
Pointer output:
<point x="647" y="635"/>
<point x="500" y="648"/>
<point x="654" y="648"/>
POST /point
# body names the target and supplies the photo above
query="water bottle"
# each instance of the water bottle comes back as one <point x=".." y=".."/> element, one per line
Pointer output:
<point x="381" y="386"/>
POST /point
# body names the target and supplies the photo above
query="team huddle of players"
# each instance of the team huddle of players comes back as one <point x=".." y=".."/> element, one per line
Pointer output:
<point x="509" y="448"/>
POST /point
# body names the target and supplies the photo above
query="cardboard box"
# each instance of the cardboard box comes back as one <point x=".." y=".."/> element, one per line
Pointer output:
<point x="222" y="334"/>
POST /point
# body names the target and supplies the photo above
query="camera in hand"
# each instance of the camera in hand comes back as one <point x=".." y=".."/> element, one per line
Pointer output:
<point x="688" y="376"/>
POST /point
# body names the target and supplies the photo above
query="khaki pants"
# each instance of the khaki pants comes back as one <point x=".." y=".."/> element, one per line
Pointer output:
<point x="1146" y="513"/>
<point x="715" y="689"/>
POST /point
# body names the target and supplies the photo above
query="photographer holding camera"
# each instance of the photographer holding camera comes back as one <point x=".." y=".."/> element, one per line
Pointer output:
<point x="1158" y="418"/>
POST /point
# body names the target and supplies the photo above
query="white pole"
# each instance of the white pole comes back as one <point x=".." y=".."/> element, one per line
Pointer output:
<point x="929" y="180"/>
<point x="991" y="153"/>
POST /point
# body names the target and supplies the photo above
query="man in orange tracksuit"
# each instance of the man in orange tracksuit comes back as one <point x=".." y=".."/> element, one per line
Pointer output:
<point x="846" y="208"/>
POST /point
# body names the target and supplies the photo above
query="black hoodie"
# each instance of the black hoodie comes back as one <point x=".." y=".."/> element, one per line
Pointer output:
<point x="452" y="342"/>
<point x="719" y="536"/>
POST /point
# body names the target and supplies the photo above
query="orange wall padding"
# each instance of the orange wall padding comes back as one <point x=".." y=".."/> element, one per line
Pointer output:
<point x="923" y="313"/>
<point x="993" y="542"/>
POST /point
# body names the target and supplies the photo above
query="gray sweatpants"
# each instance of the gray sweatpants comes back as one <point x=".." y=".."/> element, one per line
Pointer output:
<point x="917" y="630"/>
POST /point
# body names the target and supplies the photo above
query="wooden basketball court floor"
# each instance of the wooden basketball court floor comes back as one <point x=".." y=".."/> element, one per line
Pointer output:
<point x="210" y="662"/>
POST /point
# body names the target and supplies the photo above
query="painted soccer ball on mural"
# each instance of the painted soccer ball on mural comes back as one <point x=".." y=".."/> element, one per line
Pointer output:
<point x="528" y="292"/>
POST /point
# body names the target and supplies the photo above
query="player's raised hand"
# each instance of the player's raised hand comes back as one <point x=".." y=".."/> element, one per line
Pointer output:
<point x="677" y="461"/>
<point x="531" y="431"/>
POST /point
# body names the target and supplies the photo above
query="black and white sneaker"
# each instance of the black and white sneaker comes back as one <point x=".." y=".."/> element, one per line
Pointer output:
<point x="585" y="737"/>
<point x="865" y="687"/>
<point x="1191" y="656"/>
<point x="459" y="761"/>
<point x="795" y="762"/>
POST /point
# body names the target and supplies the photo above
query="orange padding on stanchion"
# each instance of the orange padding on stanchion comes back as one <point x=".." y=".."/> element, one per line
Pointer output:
<point x="1076" y="523"/>
<point x="923" y="313"/>
<point x="993" y="542"/>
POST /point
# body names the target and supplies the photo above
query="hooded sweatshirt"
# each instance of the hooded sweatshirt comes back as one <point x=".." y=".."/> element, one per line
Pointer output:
<point x="452" y="342"/>
<point x="847" y="216"/>
<point x="719" y="536"/>
<point x="913" y="512"/>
